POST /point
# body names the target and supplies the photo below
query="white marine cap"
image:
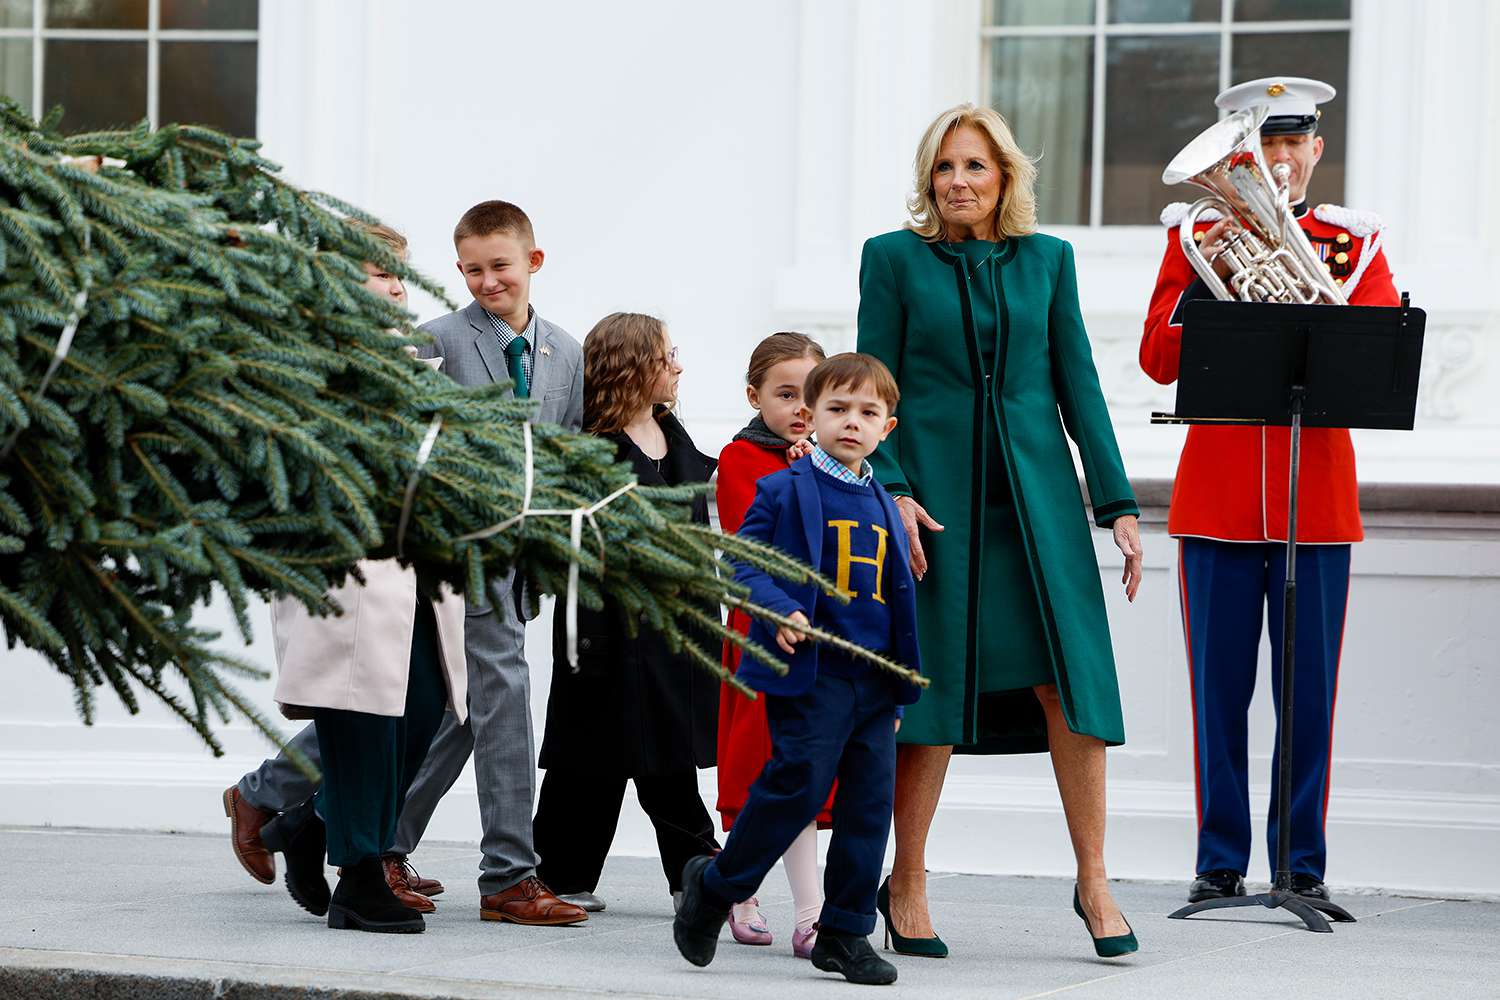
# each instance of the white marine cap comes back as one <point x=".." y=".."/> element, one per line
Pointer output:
<point x="1292" y="101"/>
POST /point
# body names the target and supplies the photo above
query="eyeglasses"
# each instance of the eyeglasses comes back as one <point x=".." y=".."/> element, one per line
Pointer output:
<point x="671" y="358"/>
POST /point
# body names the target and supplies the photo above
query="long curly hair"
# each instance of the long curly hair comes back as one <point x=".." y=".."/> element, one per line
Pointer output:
<point x="622" y="357"/>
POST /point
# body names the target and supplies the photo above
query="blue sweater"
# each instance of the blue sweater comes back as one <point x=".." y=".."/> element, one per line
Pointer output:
<point x="788" y="513"/>
<point x="856" y="556"/>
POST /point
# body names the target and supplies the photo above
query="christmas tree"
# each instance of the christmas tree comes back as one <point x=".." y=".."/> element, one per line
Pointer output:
<point x="196" y="393"/>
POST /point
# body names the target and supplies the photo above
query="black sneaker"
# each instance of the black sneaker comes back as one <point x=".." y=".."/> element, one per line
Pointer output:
<point x="1217" y="884"/>
<point x="851" y="956"/>
<point x="1309" y="886"/>
<point x="699" y="919"/>
<point x="364" y="901"/>
<point x="301" y="838"/>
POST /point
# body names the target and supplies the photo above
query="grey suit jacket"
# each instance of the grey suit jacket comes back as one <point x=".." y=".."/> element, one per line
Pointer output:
<point x="471" y="353"/>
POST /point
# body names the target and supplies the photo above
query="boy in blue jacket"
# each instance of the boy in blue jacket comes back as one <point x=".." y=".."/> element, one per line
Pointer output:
<point x="830" y="716"/>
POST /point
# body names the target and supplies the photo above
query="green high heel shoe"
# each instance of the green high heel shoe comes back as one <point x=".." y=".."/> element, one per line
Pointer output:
<point x="1106" y="947"/>
<point x="932" y="947"/>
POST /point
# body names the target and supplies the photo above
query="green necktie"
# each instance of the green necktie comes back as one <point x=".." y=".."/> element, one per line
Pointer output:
<point x="513" y="352"/>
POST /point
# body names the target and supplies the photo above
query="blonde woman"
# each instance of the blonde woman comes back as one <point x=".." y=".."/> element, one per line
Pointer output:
<point x="977" y="316"/>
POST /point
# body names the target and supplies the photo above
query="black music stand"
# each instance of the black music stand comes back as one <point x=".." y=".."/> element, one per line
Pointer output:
<point x="1291" y="365"/>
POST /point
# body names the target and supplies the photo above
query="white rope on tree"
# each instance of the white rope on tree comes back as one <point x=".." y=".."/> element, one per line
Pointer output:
<point x="575" y="535"/>
<point x="64" y="342"/>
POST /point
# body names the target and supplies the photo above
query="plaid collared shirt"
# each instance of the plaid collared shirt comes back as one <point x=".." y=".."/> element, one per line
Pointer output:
<point x="506" y="335"/>
<point x="824" y="462"/>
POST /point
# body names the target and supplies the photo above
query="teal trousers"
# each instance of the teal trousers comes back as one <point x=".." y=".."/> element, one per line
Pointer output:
<point x="369" y="761"/>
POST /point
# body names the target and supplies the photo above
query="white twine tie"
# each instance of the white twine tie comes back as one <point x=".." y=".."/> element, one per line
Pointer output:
<point x="576" y="516"/>
<point x="424" y="452"/>
<point x="64" y="342"/>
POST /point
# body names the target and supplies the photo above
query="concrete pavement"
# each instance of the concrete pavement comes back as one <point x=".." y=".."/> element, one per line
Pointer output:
<point x="148" y="915"/>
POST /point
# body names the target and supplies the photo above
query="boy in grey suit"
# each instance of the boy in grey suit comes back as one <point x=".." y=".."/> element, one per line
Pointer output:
<point x="497" y="337"/>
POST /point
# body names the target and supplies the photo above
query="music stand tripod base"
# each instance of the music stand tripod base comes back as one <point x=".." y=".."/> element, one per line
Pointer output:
<point x="1310" y="910"/>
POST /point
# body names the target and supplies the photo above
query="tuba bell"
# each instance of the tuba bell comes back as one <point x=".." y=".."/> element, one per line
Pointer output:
<point x="1268" y="255"/>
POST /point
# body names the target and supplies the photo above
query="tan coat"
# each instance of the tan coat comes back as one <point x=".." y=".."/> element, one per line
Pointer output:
<point x="359" y="661"/>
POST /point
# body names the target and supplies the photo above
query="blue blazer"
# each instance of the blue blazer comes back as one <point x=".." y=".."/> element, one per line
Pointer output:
<point x="788" y="513"/>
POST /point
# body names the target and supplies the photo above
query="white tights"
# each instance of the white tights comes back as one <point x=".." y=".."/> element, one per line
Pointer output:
<point x="801" y="862"/>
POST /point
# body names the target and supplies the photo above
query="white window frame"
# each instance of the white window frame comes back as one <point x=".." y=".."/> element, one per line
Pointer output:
<point x="1100" y="30"/>
<point x="153" y="35"/>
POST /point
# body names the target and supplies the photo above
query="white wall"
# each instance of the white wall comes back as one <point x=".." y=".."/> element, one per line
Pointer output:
<point x="720" y="166"/>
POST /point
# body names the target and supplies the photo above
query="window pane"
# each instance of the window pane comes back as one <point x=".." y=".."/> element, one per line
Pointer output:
<point x="205" y="15"/>
<point x="1159" y="93"/>
<point x="1044" y="87"/>
<point x="99" y="84"/>
<point x="1322" y="55"/>
<point x="209" y="83"/>
<point x="1163" y="11"/>
<point x="97" y="14"/>
<point x="1016" y="13"/>
<point x="15" y="13"/>
<point x="15" y="70"/>
<point x="1290" y="10"/>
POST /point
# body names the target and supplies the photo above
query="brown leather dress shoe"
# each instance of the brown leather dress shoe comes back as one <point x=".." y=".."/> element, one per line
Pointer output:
<point x="530" y="902"/>
<point x="414" y="882"/>
<point x="245" y="822"/>
<point x="395" y="877"/>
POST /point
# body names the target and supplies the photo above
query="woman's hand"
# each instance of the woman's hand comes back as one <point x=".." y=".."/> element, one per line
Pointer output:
<point x="799" y="449"/>
<point x="1128" y="538"/>
<point x="913" y="518"/>
<point x="787" y="638"/>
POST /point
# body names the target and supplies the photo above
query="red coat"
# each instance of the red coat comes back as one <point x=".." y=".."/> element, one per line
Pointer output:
<point x="744" y="735"/>
<point x="1232" y="481"/>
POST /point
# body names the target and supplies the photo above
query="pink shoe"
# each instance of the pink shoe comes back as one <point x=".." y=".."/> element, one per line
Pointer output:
<point x="803" y="941"/>
<point x="752" y="928"/>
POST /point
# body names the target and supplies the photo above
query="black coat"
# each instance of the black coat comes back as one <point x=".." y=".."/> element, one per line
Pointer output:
<point x="634" y="708"/>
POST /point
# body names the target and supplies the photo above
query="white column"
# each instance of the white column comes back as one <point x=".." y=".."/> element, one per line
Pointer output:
<point x="315" y="92"/>
<point x="872" y="75"/>
<point x="1423" y="92"/>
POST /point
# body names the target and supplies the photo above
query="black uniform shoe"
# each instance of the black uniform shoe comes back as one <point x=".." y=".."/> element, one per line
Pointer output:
<point x="364" y="901"/>
<point x="699" y="919"/>
<point x="302" y="840"/>
<point x="1216" y="884"/>
<point x="851" y="956"/>
<point x="1308" y="886"/>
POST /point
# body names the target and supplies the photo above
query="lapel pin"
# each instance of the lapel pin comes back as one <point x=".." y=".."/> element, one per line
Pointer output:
<point x="546" y="352"/>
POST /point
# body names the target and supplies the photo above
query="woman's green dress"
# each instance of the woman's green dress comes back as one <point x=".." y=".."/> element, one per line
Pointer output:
<point x="1013" y="654"/>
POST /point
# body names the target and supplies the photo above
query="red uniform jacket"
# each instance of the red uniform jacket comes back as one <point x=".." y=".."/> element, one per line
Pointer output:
<point x="1232" y="481"/>
<point x="744" y="734"/>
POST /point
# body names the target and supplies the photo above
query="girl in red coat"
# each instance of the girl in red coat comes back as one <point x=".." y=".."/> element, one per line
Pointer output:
<point x="769" y="443"/>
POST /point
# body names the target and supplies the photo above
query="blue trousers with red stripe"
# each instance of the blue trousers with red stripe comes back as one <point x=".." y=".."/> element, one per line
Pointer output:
<point x="1228" y="589"/>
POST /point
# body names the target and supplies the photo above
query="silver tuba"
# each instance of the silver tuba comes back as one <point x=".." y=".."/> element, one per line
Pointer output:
<point x="1269" y="257"/>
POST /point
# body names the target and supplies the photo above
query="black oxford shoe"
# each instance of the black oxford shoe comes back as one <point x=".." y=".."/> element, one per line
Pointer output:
<point x="851" y="956"/>
<point x="1217" y="884"/>
<point x="699" y="919"/>
<point x="1309" y="887"/>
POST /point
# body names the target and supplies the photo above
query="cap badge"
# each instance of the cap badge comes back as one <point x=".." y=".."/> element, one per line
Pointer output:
<point x="1276" y="90"/>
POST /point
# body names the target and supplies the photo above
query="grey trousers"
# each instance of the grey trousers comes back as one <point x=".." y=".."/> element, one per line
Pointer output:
<point x="499" y="735"/>
<point x="278" y="784"/>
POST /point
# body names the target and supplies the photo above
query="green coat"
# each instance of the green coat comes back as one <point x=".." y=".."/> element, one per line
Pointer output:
<point x="915" y="315"/>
